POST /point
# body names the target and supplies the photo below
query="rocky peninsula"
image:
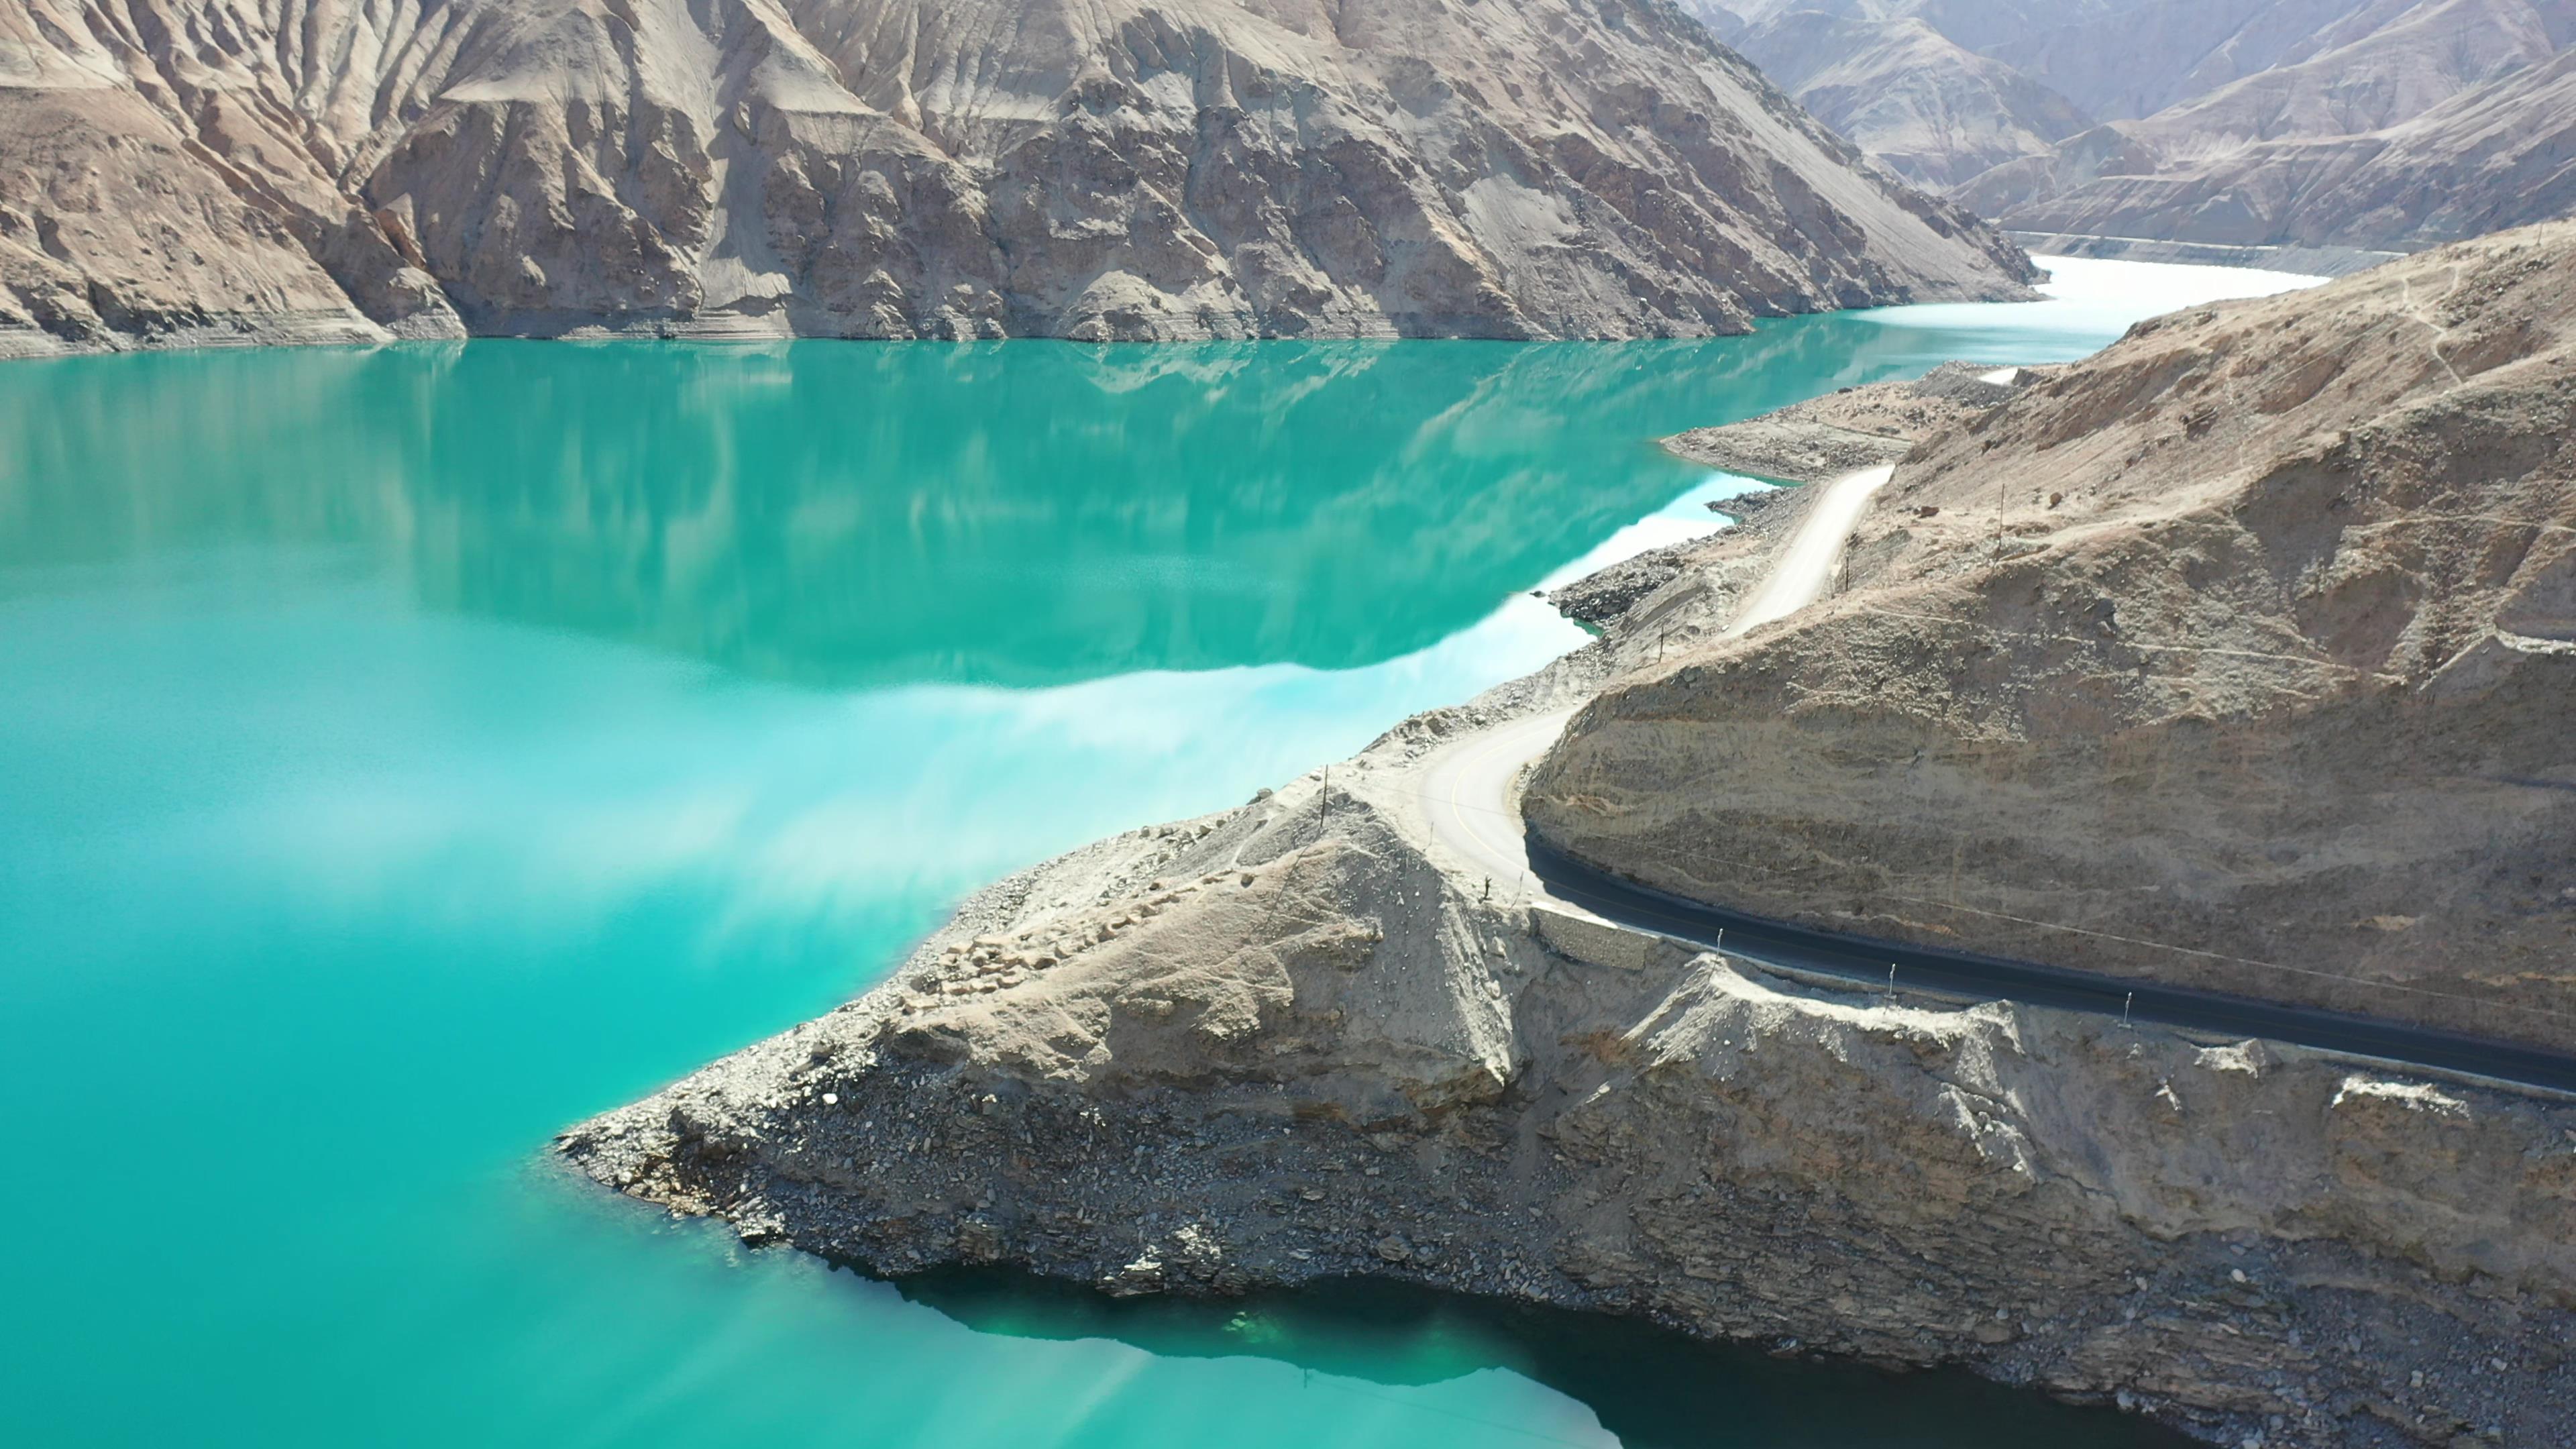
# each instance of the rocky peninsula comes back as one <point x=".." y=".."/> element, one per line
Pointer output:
<point x="1308" y="1038"/>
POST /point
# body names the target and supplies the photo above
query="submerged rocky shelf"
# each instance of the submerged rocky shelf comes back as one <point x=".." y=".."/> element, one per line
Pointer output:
<point x="1307" y="1038"/>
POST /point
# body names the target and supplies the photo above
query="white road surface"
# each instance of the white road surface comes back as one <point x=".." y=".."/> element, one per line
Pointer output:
<point x="1468" y="793"/>
<point x="1467" y="789"/>
<point x="1806" y="562"/>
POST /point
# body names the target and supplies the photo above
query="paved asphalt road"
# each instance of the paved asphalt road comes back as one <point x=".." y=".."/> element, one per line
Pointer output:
<point x="1969" y="974"/>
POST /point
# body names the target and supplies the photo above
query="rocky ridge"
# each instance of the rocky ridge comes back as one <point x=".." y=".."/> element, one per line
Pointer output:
<point x="2303" y="123"/>
<point x="1853" y="427"/>
<point x="1936" y="112"/>
<point x="2490" y="156"/>
<point x="1298" y="1040"/>
<point x="188" y="171"/>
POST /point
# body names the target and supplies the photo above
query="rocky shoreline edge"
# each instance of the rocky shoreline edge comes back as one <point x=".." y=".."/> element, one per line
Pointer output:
<point x="1297" y="1041"/>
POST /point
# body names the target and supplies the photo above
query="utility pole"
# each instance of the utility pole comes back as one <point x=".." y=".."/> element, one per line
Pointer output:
<point x="1891" y="979"/>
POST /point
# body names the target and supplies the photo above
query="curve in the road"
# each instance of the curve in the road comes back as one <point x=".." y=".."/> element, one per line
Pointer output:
<point x="1867" y="959"/>
<point x="1468" y="795"/>
<point x="1806" y="562"/>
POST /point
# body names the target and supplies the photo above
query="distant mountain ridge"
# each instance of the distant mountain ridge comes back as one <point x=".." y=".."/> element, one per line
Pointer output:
<point x="211" y="170"/>
<point x="1937" y="113"/>
<point x="2392" y="124"/>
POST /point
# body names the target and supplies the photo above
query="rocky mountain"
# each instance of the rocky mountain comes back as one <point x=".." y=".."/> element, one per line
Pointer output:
<point x="2492" y="156"/>
<point x="2130" y="62"/>
<point x="1980" y="25"/>
<point x="2262" y="122"/>
<point x="2238" y="654"/>
<point x="1930" y="108"/>
<point x="206" y="169"/>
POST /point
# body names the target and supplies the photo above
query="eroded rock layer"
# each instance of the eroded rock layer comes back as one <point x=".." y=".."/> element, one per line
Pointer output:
<point x="197" y="170"/>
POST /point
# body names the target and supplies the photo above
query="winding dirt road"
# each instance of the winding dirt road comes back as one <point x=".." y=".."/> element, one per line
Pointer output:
<point x="1467" y="789"/>
<point x="1468" y="796"/>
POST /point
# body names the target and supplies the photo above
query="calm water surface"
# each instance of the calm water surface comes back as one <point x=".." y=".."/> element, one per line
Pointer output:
<point x="405" y="753"/>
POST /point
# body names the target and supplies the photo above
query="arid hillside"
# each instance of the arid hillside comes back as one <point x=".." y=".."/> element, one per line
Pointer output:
<point x="2491" y="156"/>
<point x="1935" y="111"/>
<point x="202" y="170"/>
<point x="2376" y="124"/>
<point x="2241" y="654"/>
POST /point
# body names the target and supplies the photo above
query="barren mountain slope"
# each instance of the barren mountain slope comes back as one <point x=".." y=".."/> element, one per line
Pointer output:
<point x="2380" y="78"/>
<point x="2114" y="59"/>
<point x="2132" y="61"/>
<point x="2242" y="654"/>
<point x="2128" y="61"/>
<point x="2495" y="156"/>
<point x="2377" y="124"/>
<point x="1983" y="26"/>
<point x="2449" y="120"/>
<point x="1937" y="113"/>
<point x="194" y="169"/>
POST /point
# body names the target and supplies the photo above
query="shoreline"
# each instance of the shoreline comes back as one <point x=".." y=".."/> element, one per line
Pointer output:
<point x="930" y="1123"/>
<point x="26" y="341"/>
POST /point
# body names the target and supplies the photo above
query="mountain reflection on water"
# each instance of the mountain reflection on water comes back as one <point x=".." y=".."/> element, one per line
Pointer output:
<point x="1018" y="513"/>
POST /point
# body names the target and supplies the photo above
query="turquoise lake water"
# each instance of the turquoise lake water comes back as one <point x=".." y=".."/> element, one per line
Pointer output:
<point x="405" y="753"/>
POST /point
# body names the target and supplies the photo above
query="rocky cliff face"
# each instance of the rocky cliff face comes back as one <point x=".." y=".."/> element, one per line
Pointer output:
<point x="200" y="169"/>
<point x="2239" y="654"/>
